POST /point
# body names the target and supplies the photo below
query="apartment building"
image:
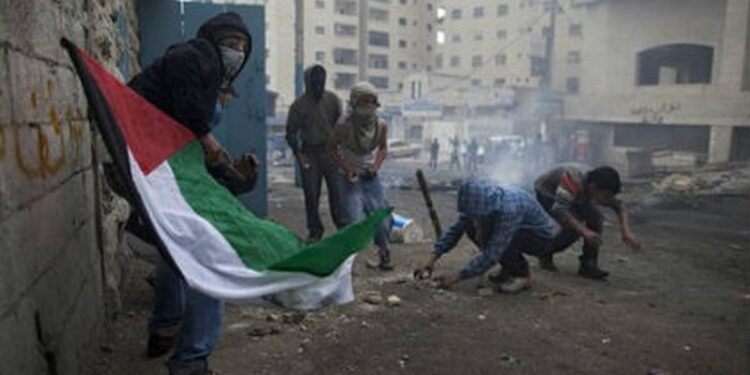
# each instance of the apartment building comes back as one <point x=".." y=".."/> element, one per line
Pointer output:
<point x="671" y="82"/>
<point x="381" y="41"/>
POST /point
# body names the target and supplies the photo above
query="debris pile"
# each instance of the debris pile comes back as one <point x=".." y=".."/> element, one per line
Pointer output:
<point x="736" y="181"/>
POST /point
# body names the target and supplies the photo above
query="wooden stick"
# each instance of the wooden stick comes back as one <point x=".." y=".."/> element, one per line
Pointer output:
<point x="428" y="202"/>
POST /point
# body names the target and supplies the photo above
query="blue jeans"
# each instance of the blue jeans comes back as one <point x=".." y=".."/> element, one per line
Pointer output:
<point x="363" y="197"/>
<point x="200" y="316"/>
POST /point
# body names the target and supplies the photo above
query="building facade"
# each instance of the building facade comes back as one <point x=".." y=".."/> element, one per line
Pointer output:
<point x="658" y="79"/>
<point x="381" y="41"/>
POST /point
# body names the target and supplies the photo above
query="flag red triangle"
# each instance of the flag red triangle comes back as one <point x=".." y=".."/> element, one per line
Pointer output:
<point x="151" y="135"/>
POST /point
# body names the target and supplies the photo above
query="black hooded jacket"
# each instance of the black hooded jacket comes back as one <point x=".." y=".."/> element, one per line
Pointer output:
<point x="185" y="81"/>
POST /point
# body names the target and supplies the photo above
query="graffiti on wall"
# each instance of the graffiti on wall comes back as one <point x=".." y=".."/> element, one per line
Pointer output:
<point x="654" y="113"/>
<point x="45" y="154"/>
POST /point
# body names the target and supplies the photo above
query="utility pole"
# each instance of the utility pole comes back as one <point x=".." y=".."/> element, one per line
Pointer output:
<point x="299" y="46"/>
<point x="549" y="46"/>
<point x="364" y="36"/>
<point x="299" y="62"/>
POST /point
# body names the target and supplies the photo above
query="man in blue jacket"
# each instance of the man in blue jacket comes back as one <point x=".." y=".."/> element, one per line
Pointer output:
<point x="504" y="221"/>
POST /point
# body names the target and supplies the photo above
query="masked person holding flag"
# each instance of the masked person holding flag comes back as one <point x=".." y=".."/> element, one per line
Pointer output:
<point x="192" y="82"/>
<point x="359" y="147"/>
<point x="311" y="120"/>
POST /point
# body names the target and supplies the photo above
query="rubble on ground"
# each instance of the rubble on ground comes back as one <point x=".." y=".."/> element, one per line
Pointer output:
<point x="734" y="181"/>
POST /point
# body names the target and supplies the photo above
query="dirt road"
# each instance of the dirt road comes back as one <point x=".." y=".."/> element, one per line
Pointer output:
<point x="681" y="306"/>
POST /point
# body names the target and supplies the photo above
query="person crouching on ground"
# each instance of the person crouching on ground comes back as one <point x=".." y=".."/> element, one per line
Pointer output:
<point x="504" y="221"/>
<point x="359" y="146"/>
<point x="570" y="196"/>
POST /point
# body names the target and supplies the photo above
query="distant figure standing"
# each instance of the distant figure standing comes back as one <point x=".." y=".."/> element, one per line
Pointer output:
<point x="434" y="150"/>
<point x="312" y="118"/>
<point x="473" y="155"/>
<point x="455" y="149"/>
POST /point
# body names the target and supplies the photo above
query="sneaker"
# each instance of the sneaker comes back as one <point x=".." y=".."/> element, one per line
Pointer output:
<point x="158" y="345"/>
<point x="515" y="285"/>
<point x="547" y="262"/>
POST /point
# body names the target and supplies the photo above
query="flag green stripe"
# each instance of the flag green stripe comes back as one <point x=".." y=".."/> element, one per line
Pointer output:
<point x="262" y="244"/>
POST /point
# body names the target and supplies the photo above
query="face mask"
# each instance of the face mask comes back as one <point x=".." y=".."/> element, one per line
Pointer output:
<point x="364" y="110"/>
<point x="232" y="60"/>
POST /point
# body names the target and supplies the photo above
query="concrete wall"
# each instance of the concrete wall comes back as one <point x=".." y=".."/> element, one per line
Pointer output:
<point x="617" y="31"/>
<point x="52" y="209"/>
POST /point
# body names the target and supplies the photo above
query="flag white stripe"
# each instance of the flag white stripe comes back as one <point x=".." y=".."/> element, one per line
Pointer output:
<point x="210" y="264"/>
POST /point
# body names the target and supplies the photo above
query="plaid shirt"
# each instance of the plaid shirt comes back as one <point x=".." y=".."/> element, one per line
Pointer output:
<point x="505" y="210"/>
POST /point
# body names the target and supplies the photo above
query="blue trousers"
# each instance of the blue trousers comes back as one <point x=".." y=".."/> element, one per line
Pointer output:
<point x="199" y="315"/>
<point x="363" y="197"/>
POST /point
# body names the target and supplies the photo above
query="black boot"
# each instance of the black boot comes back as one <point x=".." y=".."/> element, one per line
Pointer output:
<point x="385" y="261"/>
<point x="547" y="262"/>
<point x="589" y="268"/>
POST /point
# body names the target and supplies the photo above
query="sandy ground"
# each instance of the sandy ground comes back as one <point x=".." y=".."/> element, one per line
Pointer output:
<point x="681" y="306"/>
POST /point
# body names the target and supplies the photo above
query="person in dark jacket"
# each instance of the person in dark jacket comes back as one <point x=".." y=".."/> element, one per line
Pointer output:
<point x="192" y="82"/>
<point x="570" y="195"/>
<point x="309" y="126"/>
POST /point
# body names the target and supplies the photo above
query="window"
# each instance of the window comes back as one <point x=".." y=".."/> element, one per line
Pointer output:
<point x="346" y="7"/>
<point x="320" y="30"/>
<point x="320" y="4"/>
<point x="477" y="61"/>
<point x="476" y="82"/>
<point x="429" y="7"/>
<point x="429" y="27"/>
<point x="439" y="61"/>
<point x="675" y="64"/>
<point x="575" y="30"/>
<point x="478" y="35"/>
<point x="403" y="1"/>
<point x="403" y="65"/>
<point x="500" y="59"/>
<point x="379" y="82"/>
<point x="571" y="85"/>
<point x="429" y="48"/>
<point x="378" y="15"/>
<point x="455" y="61"/>
<point x="414" y="66"/>
<point x="345" y="56"/>
<point x="499" y="81"/>
<point x="344" y="81"/>
<point x="342" y="29"/>
<point x="538" y="66"/>
<point x="377" y="61"/>
<point x="574" y="57"/>
<point x="402" y="43"/>
<point x="456" y="38"/>
<point x="502" y="10"/>
<point x="502" y="34"/>
<point x="379" y="38"/>
<point x="479" y="12"/>
<point x="402" y="21"/>
<point x="456" y="14"/>
<point x="414" y="23"/>
<point x="320" y="56"/>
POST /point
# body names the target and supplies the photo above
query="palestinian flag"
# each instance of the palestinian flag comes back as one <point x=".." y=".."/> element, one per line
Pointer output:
<point x="219" y="247"/>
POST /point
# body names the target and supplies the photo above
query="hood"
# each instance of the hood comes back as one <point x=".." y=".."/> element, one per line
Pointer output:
<point x="222" y="24"/>
<point x="308" y="74"/>
<point x="477" y="198"/>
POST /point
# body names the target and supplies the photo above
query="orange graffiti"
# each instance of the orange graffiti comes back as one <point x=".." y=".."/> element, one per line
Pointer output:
<point x="76" y="127"/>
<point x="25" y="169"/>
